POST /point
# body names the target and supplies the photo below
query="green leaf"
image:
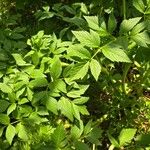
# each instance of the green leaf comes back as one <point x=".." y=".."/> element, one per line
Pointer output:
<point x="128" y="25"/>
<point x="10" y="133"/>
<point x="19" y="60"/>
<point x="75" y="110"/>
<point x="3" y="105"/>
<point x="113" y="141"/>
<point x="66" y="108"/>
<point x="81" y="146"/>
<point x="11" y="108"/>
<point x="1" y="131"/>
<point x="94" y="136"/>
<point x="92" y="22"/>
<point x="139" y="5"/>
<point x="35" y="58"/>
<point x="95" y="68"/>
<point x="112" y="23"/>
<point x="56" y="68"/>
<point x="77" y="93"/>
<point x="36" y="73"/>
<point x="115" y="54"/>
<point x="83" y="110"/>
<point x="84" y="8"/>
<point x="78" y="51"/>
<point x="57" y="86"/>
<point x="41" y="95"/>
<point x="59" y="136"/>
<point x="75" y="132"/>
<point x="5" y="88"/>
<point x="143" y="139"/>
<point x="34" y="118"/>
<point x="4" y="119"/>
<point x="22" y="133"/>
<point x="29" y="93"/>
<point x="91" y="39"/>
<point x="126" y="135"/>
<point x="88" y="128"/>
<point x="38" y="82"/>
<point x="78" y="71"/>
<point x="19" y="29"/>
<point x="81" y="100"/>
<point x="138" y="28"/>
<point x="142" y="39"/>
<point x="51" y="104"/>
<point x="16" y="36"/>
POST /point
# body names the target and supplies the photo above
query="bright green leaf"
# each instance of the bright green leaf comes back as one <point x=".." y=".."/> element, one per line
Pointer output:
<point x="51" y="104"/>
<point x="5" y="88"/>
<point x="38" y="82"/>
<point x="95" y="68"/>
<point x="78" y="71"/>
<point x="142" y="39"/>
<point x="75" y="110"/>
<point x="126" y="135"/>
<point x="92" y="22"/>
<point x="10" y="133"/>
<point x="22" y="133"/>
<point x="80" y="100"/>
<point x="11" y="108"/>
<point x="139" y="5"/>
<point x="59" y="136"/>
<point x="128" y="25"/>
<point x="66" y="108"/>
<point x="19" y="60"/>
<point x="56" y="68"/>
<point x="91" y="39"/>
<point x="115" y="54"/>
<point x="79" y="51"/>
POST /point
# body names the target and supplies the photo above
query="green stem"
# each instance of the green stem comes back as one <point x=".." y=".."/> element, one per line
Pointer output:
<point x="124" y="9"/>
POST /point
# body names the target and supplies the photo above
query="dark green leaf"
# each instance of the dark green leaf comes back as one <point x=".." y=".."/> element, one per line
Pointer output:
<point x="81" y="146"/>
<point x="112" y="23"/>
<point x="4" y="119"/>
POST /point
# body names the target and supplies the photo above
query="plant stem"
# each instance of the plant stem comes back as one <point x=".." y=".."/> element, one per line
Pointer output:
<point x="124" y="9"/>
<point x="93" y="147"/>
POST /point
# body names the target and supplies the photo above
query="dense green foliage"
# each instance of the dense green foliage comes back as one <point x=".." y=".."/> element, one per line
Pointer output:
<point x="74" y="75"/>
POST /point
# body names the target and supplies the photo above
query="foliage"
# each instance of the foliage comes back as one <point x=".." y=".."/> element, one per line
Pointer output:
<point x="74" y="75"/>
